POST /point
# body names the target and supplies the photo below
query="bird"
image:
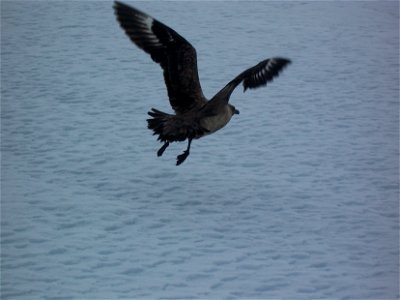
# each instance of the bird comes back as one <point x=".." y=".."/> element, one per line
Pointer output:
<point x="195" y="116"/>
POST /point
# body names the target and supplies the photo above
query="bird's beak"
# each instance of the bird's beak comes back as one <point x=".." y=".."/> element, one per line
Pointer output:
<point x="237" y="112"/>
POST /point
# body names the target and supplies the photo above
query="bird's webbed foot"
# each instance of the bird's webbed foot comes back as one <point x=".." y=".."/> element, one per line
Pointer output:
<point x="181" y="158"/>
<point x="162" y="149"/>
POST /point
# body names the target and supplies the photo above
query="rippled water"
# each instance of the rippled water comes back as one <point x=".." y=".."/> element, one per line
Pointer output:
<point x="296" y="198"/>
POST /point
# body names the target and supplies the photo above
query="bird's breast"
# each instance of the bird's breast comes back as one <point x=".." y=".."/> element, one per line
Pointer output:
<point x="216" y="122"/>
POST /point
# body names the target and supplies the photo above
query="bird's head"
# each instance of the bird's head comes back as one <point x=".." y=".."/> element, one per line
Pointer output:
<point x="234" y="110"/>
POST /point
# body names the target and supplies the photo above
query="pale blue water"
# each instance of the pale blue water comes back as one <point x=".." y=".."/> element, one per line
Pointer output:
<point x="296" y="198"/>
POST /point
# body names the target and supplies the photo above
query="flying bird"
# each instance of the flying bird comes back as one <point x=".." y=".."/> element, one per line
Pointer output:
<point x="195" y="116"/>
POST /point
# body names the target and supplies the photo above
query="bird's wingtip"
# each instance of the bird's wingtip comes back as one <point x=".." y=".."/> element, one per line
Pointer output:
<point x="119" y="4"/>
<point x="287" y="60"/>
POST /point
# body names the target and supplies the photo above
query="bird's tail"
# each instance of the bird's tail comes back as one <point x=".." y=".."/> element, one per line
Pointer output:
<point x="173" y="128"/>
<point x="158" y="123"/>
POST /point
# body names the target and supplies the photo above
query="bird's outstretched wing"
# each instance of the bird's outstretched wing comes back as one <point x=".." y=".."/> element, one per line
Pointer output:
<point x="263" y="72"/>
<point x="254" y="77"/>
<point x="166" y="47"/>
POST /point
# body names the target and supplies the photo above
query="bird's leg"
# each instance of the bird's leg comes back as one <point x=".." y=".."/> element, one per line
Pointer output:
<point x="181" y="158"/>
<point x="162" y="149"/>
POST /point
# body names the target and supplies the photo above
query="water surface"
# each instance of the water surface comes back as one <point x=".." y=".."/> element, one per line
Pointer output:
<point x="296" y="198"/>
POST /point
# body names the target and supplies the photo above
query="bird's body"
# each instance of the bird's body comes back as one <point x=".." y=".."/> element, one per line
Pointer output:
<point x="194" y="116"/>
<point x="216" y="122"/>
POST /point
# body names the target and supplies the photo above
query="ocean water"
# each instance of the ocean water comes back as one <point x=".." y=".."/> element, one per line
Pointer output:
<point x="297" y="197"/>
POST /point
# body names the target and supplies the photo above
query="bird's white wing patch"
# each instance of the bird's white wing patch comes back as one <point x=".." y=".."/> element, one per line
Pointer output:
<point x="269" y="65"/>
<point x="151" y="38"/>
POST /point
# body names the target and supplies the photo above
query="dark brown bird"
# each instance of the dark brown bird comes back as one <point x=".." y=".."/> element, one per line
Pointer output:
<point x="194" y="116"/>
